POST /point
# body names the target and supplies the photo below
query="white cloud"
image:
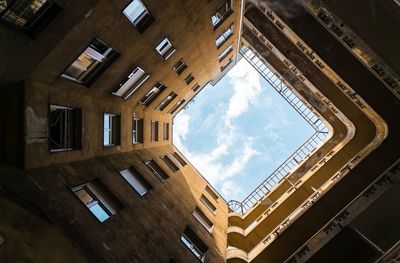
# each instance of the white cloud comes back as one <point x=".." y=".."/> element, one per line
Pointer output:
<point x="181" y="128"/>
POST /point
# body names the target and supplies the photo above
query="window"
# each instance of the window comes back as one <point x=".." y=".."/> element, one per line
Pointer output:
<point x="211" y="193"/>
<point x="180" y="66"/>
<point x="179" y="159"/>
<point x="28" y="15"/>
<point x="165" y="48"/>
<point x="195" y="87"/>
<point x="208" y="204"/>
<point x="65" y="128"/>
<point x="225" y="52"/>
<point x="111" y="129"/>
<point x="154" y="131"/>
<point x="156" y="170"/>
<point x="136" y="180"/>
<point x="203" y="220"/>
<point x="138" y="14"/>
<point x="189" y="78"/>
<point x="96" y="58"/>
<point x="165" y="131"/>
<point x="97" y="199"/>
<point x="222" y="38"/>
<point x="226" y="64"/>
<point x="131" y="83"/>
<point x="166" y="101"/>
<point x="221" y="14"/>
<point x="137" y="130"/>
<point x="194" y="244"/>
<point x="170" y="163"/>
<point x="176" y="106"/>
<point x="152" y="94"/>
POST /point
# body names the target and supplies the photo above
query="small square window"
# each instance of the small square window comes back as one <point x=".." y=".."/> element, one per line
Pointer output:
<point x="222" y="38"/>
<point x="166" y="101"/>
<point x="177" y="106"/>
<point x="203" y="219"/>
<point x="226" y="64"/>
<point x="208" y="204"/>
<point x="96" y="58"/>
<point x="98" y="199"/>
<point x="180" y="66"/>
<point x="65" y="128"/>
<point x="165" y="48"/>
<point x="131" y="83"/>
<point x="154" y="131"/>
<point x="152" y="94"/>
<point x="111" y="129"/>
<point x="226" y="52"/>
<point x="136" y="180"/>
<point x="137" y="130"/>
<point x="165" y="131"/>
<point x="221" y="14"/>
<point x="138" y="14"/>
<point x="170" y="163"/>
<point x="194" y="244"/>
<point x="156" y="170"/>
<point x="189" y="78"/>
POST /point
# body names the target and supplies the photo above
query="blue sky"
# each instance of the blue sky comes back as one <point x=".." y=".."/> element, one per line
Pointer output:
<point x="238" y="131"/>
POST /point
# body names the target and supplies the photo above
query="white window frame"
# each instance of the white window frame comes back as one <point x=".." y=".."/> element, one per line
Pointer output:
<point x="207" y="203"/>
<point x="165" y="48"/>
<point x="131" y="83"/>
<point x="136" y="181"/>
<point x="197" y="252"/>
<point x="137" y="19"/>
<point x="203" y="220"/>
<point x="152" y="94"/>
<point x="137" y="130"/>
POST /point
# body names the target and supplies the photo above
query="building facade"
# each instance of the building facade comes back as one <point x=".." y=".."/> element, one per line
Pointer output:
<point x="89" y="91"/>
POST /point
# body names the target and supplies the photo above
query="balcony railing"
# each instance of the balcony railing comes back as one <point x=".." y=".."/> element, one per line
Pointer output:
<point x="300" y="155"/>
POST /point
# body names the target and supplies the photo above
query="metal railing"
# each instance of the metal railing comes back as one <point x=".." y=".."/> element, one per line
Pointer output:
<point x="301" y="154"/>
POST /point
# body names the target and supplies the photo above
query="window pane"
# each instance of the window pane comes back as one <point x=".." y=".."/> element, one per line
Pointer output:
<point x="99" y="212"/>
<point x="135" y="181"/>
<point x="134" y="11"/>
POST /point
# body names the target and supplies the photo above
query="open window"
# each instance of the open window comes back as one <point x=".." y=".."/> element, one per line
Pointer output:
<point x="226" y="64"/>
<point x="165" y="48"/>
<point x="170" y="163"/>
<point x="165" y="131"/>
<point x="111" y="125"/>
<point x="179" y="159"/>
<point x="203" y="219"/>
<point x="131" y="83"/>
<point x="179" y="66"/>
<point x="224" y="36"/>
<point x="139" y="15"/>
<point x="177" y="106"/>
<point x="65" y="128"/>
<point x="136" y="180"/>
<point x="98" y="199"/>
<point x="221" y="14"/>
<point x="194" y="244"/>
<point x="226" y="52"/>
<point x="137" y="130"/>
<point x="29" y="16"/>
<point x="166" y="101"/>
<point x="93" y="61"/>
<point x="156" y="170"/>
<point x="152" y="94"/>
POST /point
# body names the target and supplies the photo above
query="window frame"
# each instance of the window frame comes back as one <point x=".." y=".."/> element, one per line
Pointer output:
<point x="141" y="22"/>
<point x="114" y="129"/>
<point x="154" y="92"/>
<point x="77" y="128"/>
<point x="179" y="159"/>
<point x="165" y="131"/>
<point x="177" y="105"/>
<point x="137" y="134"/>
<point x="228" y="5"/>
<point x="207" y="203"/>
<point x="156" y="169"/>
<point x="170" y="163"/>
<point x="225" y="38"/>
<point x="225" y="52"/>
<point x="226" y="64"/>
<point x="94" y="70"/>
<point x="203" y="220"/>
<point x="166" y="101"/>
<point x="180" y="66"/>
<point x="131" y="83"/>
<point x="194" y="244"/>
<point x="189" y="78"/>
<point x="168" y="53"/>
<point x="139" y="178"/>
<point x="154" y="130"/>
